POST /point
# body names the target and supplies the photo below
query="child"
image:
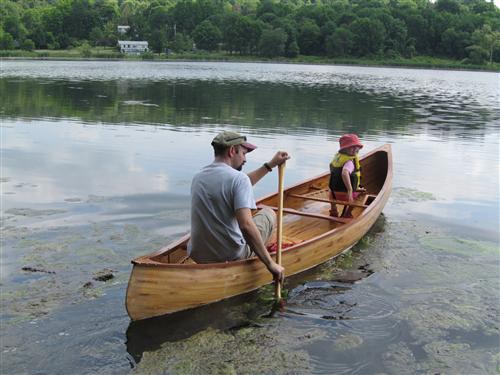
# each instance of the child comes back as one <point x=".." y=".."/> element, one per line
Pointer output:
<point x="345" y="173"/>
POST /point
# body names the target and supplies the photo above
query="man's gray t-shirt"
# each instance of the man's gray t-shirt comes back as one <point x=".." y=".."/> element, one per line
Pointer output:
<point x="217" y="191"/>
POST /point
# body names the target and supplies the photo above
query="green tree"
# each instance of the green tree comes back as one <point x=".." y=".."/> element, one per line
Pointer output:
<point x="207" y="36"/>
<point x="240" y="33"/>
<point x="278" y="9"/>
<point x="309" y="38"/>
<point x="80" y="19"/>
<point x="158" y="40"/>
<point x="96" y="36"/>
<point x="6" y="41"/>
<point x="86" y="50"/>
<point x="65" y="41"/>
<point x="319" y="13"/>
<point x="396" y="37"/>
<point x="368" y="36"/>
<point x="136" y="13"/>
<point x="105" y="11"/>
<point x="477" y="55"/>
<point x="110" y="34"/>
<point x="159" y="18"/>
<point x="417" y="29"/>
<point x="187" y="14"/>
<point x="10" y="18"/>
<point x="450" y="6"/>
<point x="292" y="49"/>
<point x="28" y="45"/>
<point x="340" y="43"/>
<point x="272" y="42"/>
<point x="445" y="28"/>
<point x="289" y="26"/>
<point x="52" y="43"/>
<point x="181" y="43"/>
<point x="453" y="43"/>
<point x="32" y="20"/>
<point x="485" y="42"/>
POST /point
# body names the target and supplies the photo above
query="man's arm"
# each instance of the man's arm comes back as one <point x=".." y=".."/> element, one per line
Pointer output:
<point x="279" y="158"/>
<point x="254" y="240"/>
<point x="346" y="178"/>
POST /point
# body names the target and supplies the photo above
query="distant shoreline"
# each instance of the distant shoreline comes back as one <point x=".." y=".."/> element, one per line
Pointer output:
<point x="420" y="62"/>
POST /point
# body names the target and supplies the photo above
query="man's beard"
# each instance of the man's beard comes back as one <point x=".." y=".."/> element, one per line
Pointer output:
<point x="240" y="168"/>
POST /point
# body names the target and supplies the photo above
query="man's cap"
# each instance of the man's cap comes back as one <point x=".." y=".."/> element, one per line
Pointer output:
<point x="229" y="138"/>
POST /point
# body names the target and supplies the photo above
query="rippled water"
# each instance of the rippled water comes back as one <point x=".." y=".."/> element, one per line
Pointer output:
<point x="97" y="159"/>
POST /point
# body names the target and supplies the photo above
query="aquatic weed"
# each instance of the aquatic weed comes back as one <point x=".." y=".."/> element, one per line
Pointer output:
<point x="244" y="351"/>
<point x="412" y="195"/>
<point x="347" y="342"/>
<point x="457" y="245"/>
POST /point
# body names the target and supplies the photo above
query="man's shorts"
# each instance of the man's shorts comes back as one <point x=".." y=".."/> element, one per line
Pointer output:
<point x="264" y="220"/>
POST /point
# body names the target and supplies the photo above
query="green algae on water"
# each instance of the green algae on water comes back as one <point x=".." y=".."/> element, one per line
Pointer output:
<point x="244" y="351"/>
<point x="346" y="342"/>
<point x="456" y="357"/>
<point x="412" y="195"/>
<point x="70" y="258"/>
<point x="463" y="246"/>
<point x="428" y="323"/>
<point x="496" y="360"/>
<point x="345" y="260"/>
<point x="399" y="359"/>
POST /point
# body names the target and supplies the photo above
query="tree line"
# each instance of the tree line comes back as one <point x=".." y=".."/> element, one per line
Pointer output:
<point x="467" y="30"/>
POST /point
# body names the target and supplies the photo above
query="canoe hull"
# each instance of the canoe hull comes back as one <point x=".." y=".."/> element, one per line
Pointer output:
<point x="156" y="289"/>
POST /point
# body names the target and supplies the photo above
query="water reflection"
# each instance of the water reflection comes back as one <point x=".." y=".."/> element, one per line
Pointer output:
<point x="203" y="103"/>
<point x="264" y="96"/>
<point x="151" y="334"/>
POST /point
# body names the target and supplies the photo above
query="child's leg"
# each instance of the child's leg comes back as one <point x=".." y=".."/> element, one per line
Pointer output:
<point x="333" y="208"/>
<point x="347" y="212"/>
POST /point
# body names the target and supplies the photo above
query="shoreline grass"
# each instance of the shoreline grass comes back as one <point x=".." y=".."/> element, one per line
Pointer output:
<point x="109" y="53"/>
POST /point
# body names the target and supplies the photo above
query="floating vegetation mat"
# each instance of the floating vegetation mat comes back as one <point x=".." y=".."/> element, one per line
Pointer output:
<point x="265" y="350"/>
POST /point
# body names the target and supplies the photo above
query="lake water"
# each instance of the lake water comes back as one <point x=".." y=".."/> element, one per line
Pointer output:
<point x="96" y="163"/>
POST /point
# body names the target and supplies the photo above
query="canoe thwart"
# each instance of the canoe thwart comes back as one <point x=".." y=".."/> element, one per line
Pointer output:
<point x="345" y="203"/>
<point x="291" y="211"/>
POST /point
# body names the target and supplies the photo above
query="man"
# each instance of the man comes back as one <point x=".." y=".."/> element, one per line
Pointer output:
<point x="222" y="226"/>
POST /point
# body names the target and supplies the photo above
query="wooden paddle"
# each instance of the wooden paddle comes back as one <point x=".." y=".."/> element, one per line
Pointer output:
<point x="279" y="229"/>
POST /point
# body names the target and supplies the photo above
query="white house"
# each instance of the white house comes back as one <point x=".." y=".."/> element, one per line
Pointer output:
<point x="122" y="29"/>
<point x="133" y="46"/>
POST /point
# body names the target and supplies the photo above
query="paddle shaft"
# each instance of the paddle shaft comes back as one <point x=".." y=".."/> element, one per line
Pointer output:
<point x="279" y="226"/>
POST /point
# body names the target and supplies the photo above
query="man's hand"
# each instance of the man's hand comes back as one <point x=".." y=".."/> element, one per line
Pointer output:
<point x="254" y="239"/>
<point x="277" y="271"/>
<point x="279" y="158"/>
<point x="350" y="197"/>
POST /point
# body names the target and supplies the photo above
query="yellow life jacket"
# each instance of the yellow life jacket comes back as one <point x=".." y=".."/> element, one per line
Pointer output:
<point x="336" y="165"/>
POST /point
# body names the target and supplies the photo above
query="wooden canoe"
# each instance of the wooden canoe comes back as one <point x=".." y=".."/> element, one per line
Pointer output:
<point x="168" y="280"/>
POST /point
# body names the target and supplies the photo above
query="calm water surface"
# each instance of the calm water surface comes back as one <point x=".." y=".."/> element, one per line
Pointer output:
<point x="96" y="164"/>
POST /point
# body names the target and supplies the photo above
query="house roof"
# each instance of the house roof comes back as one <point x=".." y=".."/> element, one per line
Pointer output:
<point x="136" y="42"/>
